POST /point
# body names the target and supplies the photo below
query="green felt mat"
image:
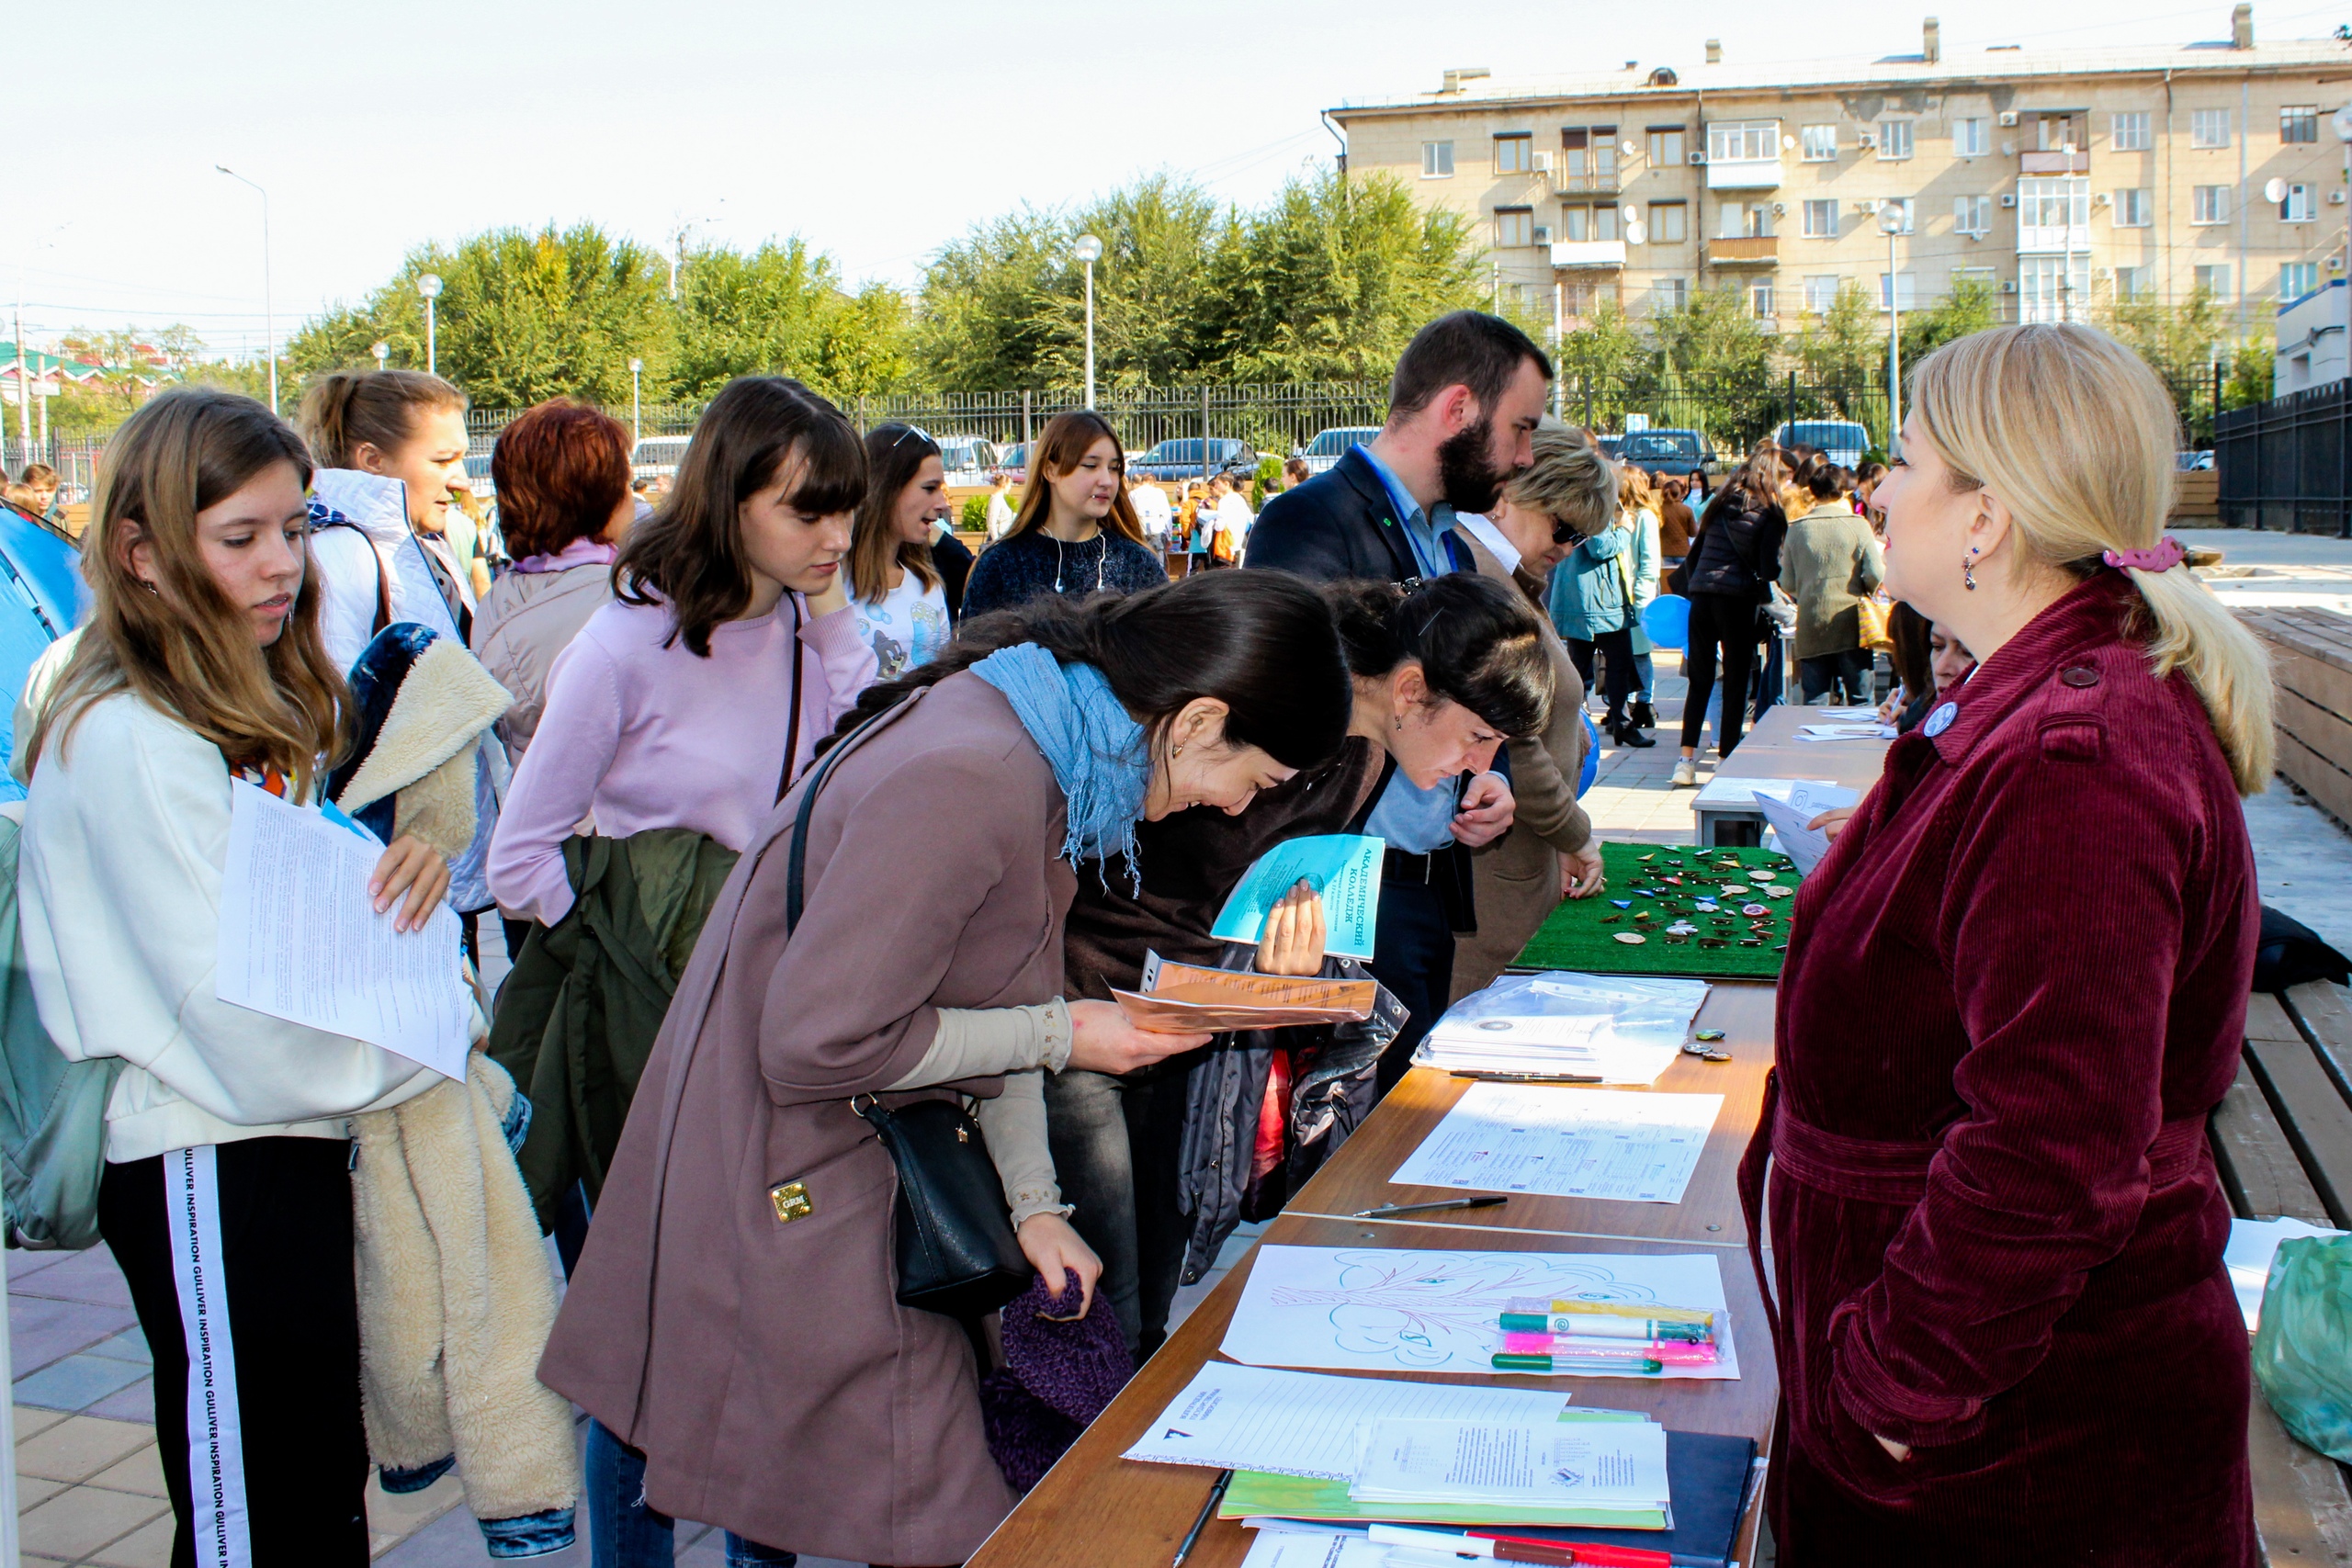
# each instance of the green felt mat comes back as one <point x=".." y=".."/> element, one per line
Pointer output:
<point x="1581" y="933"/>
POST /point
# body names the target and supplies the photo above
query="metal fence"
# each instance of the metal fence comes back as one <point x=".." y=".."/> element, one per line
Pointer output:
<point x="2286" y="464"/>
<point x="76" y="458"/>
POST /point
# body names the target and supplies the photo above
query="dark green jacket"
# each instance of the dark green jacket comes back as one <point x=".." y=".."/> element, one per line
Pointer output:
<point x="577" y="1017"/>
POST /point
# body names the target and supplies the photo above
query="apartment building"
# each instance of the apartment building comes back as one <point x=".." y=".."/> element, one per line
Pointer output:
<point x="2060" y="178"/>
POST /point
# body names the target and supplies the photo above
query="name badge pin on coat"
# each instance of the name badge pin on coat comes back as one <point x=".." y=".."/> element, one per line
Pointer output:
<point x="1939" y="720"/>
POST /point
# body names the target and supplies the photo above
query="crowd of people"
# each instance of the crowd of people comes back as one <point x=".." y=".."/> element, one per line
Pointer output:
<point x="790" y="821"/>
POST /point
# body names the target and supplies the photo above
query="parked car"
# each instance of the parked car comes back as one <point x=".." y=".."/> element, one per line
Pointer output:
<point x="1012" y="462"/>
<point x="1673" y="453"/>
<point x="970" y="459"/>
<point x="2193" y="462"/>
<point x="658" y="456"/>
<point x="1330" y="446"/>
<point x="478" y="470"/>
<point x="1843" y="440"/>
<point x="1179" y="457"/>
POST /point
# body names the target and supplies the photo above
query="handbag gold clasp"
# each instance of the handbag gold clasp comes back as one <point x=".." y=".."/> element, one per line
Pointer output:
<point x="792" y="1202"/>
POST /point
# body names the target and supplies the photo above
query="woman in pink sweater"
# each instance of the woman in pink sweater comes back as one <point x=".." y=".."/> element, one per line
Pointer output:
<point x="730" y="620"/>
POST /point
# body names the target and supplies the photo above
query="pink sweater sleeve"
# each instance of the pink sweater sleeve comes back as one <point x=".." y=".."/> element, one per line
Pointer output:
<point x="556" y="784"/>
<point x="849" y="668"/>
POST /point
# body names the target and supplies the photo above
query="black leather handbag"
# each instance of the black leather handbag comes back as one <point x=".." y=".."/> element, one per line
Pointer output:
<point x="956" y="1252"/>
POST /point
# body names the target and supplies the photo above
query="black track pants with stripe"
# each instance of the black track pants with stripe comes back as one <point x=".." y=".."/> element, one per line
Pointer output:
<point x="240" y="1264"/>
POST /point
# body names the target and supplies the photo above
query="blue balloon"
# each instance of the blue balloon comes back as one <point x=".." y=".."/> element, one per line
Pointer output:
<point x="1666" y="620"/>
<point x="1591" y="755"/>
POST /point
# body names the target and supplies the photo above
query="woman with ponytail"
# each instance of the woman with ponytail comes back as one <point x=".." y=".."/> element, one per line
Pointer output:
<point x="2005" y="1328"/>
<point x="733" y="1316"/>
<point x="1440" y="676"/>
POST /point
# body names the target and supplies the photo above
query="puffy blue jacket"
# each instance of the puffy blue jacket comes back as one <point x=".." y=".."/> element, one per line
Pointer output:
<point x="1588" y="587"/>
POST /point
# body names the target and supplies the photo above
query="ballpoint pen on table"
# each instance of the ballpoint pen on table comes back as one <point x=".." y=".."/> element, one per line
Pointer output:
<point x="1499" y="1548"/>
<point x="1217" y="1495"/>
<point x="1390" y="1210"/>
<point x="1484" y="1077"/>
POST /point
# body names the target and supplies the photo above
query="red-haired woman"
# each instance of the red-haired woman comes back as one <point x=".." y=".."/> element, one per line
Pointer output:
<point x="563" y="497"/>
<point x="1077" y="533"/>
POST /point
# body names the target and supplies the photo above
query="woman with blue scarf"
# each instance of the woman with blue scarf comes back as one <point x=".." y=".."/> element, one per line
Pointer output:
<point x="733" y="1316"/>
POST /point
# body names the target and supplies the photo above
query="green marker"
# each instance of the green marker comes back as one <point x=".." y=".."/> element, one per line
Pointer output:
<point x="1520" y="1361"/>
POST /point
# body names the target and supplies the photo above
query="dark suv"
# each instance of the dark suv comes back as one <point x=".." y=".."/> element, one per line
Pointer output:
<point x="1179" y="457"/>
<point x="1673" y="453"/>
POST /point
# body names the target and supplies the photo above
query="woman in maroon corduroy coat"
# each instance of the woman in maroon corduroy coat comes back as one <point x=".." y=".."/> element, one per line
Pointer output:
<point x="2017" y="987"/>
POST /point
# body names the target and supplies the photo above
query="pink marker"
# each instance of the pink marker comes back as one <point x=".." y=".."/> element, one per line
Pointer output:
<point x="1673" y="1353"/>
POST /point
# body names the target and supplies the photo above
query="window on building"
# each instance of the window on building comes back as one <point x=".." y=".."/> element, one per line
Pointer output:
<point x="2129" y="133"/>
<point x="1743" y="141"/>
<point x="1579" y="299"/>
<point x="1669" y="222"/>
<point x="1604" y="221"/>
<point x="1973" y="214"/>
<point x="1905" y="206"/>
<point x="2214" y="280"/>
<point x="2299" y="122"/>
<point x="2134" y="282"/>
<point x="2208" y="127"/>
<point x="1514" y="153"/>
<point x="1589" y="154"/>
<point x="1437" y="160"/>
<point x="1598" y="221"/>
<point x="1820" y="294"/>
<point x="1666" y="146"/>
<point x="2048" y="290"/>
<point x="1818" y="143"/>
<point x="1902" y="287"/>
<point x="1893" y="139"/>
<point x="2209" y="204"/>
<point x="1743" y="221"/>
<point x="1821" y="219"/>
<point x="1575" y="224"/>
<point x="1971" y="138"/>
<point x="1670" y="293"/>
<point x="1514" y="226"/>
<point x="2297" y="279"/>
<point x="2134" y="208"/>
<point x="2056" y="132"/>
<point x="2048" y="208"/>
<point x="1759" y="298"/>
<point x="2297" y="208"/>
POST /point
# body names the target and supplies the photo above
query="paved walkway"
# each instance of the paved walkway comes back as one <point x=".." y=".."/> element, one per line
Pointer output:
<point x="89" y="1487"/>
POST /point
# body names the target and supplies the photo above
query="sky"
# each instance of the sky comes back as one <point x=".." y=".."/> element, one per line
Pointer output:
<point x="877" y="132"/>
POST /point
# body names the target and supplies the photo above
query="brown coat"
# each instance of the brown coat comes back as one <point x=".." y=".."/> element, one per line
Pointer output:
<point x="1519" y="874"/>
<point x="764" y="1368"/>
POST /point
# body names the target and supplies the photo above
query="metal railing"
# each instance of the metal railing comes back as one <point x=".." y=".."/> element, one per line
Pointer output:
<point x="2286" y="464"/>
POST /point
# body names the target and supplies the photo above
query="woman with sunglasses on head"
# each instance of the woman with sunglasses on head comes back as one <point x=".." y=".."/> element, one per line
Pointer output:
<point x="1077" y="533"/>
<point x="691" y="701"/>
<point x="735" y="1315"/>
<point x="895" y="590"/>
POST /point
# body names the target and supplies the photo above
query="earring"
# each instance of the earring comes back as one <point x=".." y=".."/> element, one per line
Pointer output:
<point x="1968" y="571"/>
<point x="1400" y="726"/>
<point x="1177" y="753"/>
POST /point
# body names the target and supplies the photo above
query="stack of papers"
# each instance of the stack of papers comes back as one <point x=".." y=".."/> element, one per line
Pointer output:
<point x="1570" y="1143"/>
<point x="1621" y="1028"/>
<point x="1516" y="1471"/>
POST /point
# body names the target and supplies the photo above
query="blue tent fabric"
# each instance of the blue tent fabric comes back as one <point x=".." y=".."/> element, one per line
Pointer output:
<point x="43" y="597"/>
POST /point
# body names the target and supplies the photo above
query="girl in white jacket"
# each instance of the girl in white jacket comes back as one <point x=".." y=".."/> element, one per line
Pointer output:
<point x="227" y="1195"/>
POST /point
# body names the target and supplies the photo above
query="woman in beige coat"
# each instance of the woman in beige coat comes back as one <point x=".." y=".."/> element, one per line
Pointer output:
<point x="733" y="1315"/>
<point x="1568" y="493"/>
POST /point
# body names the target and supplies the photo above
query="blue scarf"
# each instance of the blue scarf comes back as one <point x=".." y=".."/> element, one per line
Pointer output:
<point x="1095" y="750"/>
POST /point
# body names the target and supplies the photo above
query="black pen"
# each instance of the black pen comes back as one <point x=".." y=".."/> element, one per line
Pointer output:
<point x="1217" y="1495"/>
<point x="1389" y="1211"/>
<point x="1525" y="1077"/>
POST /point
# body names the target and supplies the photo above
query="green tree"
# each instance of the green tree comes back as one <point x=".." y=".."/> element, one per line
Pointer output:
<point x="1971" y="306"/>
<point x="1846" y="345"/>
<point x="1608" y="349"/>
<point x="2181" y="341"/>
<point x="781" y="310"/>
<point x="984" y="314"/>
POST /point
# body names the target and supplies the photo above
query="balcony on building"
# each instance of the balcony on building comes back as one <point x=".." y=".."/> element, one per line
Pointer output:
<point x="1744" y="154"/>
<point x="1746" y="249"/>
<point x="2076" y="162"/>
<point x="1586" y="254"/>
<point x="1743" y="174"/>
<point x="1568" y="181"/>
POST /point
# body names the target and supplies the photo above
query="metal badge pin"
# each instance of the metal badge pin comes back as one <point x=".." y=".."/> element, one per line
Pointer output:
<point x="1631" y="938"/>
<point x="1939" y="720"/>
<point x="1709" y="1034"/>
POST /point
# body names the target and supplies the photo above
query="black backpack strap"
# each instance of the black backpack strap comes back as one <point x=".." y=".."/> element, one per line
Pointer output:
<point x="792" y="725"/>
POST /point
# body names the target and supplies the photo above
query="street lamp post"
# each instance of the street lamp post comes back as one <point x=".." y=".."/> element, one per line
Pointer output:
<point x="1890" y="223"/>
<point x="636" y="404"/>
<point x="268" y="307"/>
<point x="1090" y="250"/>
<point x="381" y="350"/>
<point x="430" y="287"/>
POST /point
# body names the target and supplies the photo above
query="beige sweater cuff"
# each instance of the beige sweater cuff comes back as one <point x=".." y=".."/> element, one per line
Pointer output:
<point x="982" y="1043"/>
<point x="1015" y="1125"/>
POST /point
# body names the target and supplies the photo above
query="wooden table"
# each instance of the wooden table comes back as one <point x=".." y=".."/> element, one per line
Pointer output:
<point x="1771" y="750"/>
<point x="1095" y="1509"/>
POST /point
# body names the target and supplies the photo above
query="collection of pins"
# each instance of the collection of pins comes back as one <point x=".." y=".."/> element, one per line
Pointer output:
<point x="1684" y="890"/>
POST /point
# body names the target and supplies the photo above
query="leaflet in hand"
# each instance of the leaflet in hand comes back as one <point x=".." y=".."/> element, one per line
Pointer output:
<point x="1179" y="998"/>
<point x="1344" y="867"/>
<point x="1789" y="815"/>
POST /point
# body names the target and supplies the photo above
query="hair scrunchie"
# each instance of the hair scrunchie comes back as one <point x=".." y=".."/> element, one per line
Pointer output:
<point x="2162" y="555"/>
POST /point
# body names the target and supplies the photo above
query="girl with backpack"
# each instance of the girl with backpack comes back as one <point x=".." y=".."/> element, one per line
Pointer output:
<point x="227" y="1193"/>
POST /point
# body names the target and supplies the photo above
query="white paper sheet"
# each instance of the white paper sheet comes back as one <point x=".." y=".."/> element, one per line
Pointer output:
<point x="1314" y="1549"/>
<point x="1570" y="1143"/>
<point x="1624" y="1029"/>
<point x="1301" y="1424"/>
<point x="301" y="941"/>
<point x="1729" y="793"/>
<point x="1616" y="1464"/>
<point x="1393" y="1310"/>
<point x="2253" y="1246"/>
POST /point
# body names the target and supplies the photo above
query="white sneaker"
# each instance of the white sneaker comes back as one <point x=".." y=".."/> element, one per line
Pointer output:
<point x="1686" y="773"/>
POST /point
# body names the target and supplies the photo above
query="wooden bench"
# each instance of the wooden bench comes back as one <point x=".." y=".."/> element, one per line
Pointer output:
<point x="2283" y="1141"/>
<point x="2311" y="653"/>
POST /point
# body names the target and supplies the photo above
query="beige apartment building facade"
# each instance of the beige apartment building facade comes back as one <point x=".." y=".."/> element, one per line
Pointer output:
<point x="2060" y="179"/>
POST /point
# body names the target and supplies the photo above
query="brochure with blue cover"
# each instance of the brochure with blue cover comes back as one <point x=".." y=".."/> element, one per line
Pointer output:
<point x="1344" y="867"/>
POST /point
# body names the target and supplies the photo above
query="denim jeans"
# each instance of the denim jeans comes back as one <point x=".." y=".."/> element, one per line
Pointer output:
<point x="1847" y="672"/>
<point x="1116" y="1144"/>
<point x="624" y="1533"/>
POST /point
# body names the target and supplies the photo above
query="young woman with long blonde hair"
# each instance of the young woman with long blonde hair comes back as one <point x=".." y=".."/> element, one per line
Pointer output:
<point x="226" y="1192"/>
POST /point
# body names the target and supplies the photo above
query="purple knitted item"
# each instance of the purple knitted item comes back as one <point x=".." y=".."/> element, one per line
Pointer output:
<point x="1056" y="1377"/>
